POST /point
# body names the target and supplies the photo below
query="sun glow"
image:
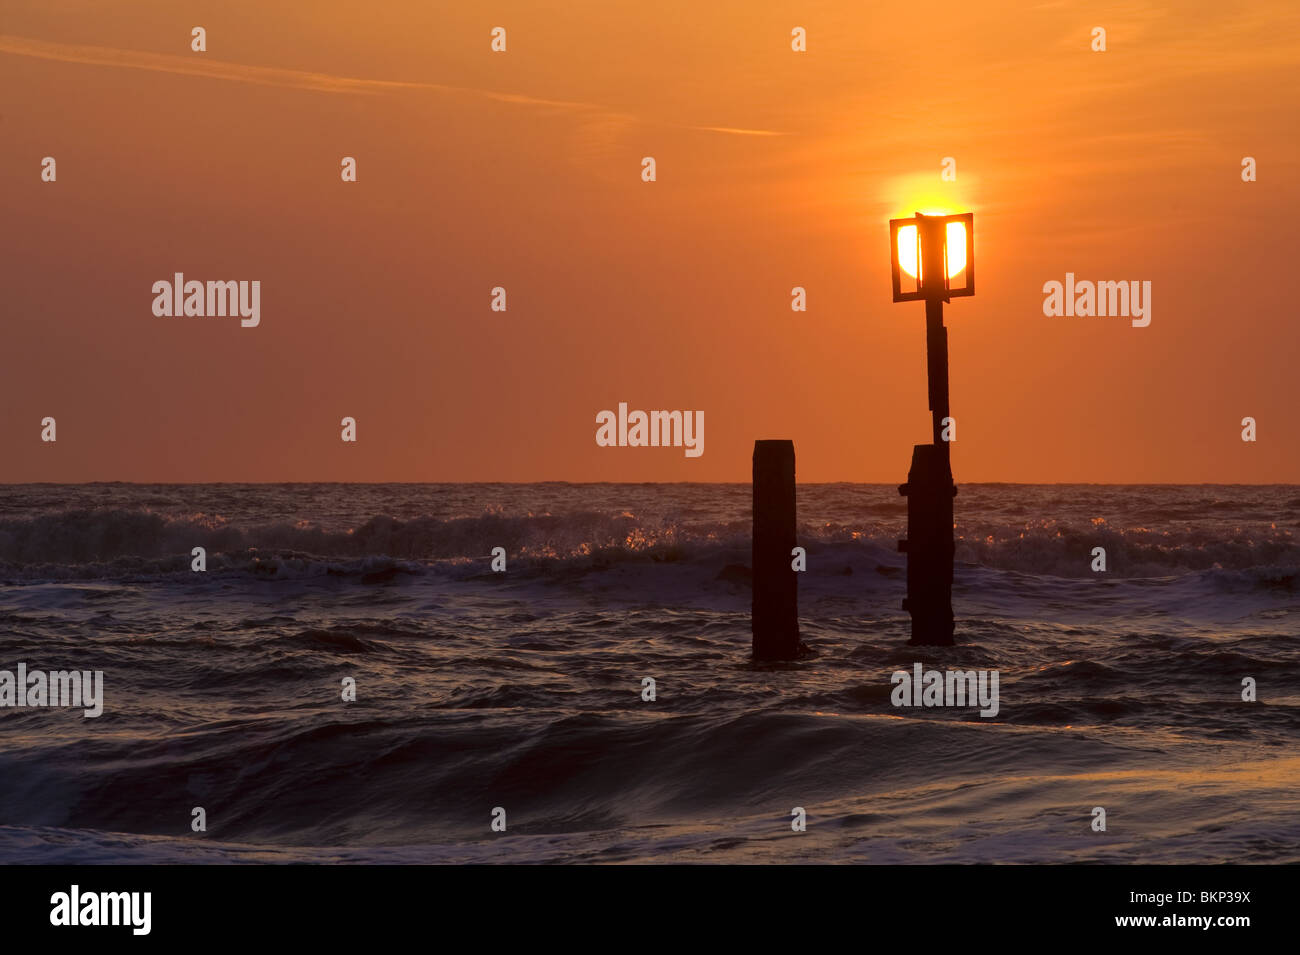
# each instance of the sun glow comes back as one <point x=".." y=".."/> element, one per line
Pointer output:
<point x="908" y="249"/>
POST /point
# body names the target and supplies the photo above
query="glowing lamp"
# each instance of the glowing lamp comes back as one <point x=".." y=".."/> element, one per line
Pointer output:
<point x="928" y="252"/>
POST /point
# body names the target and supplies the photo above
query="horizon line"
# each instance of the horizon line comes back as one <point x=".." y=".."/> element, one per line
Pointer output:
<point x="634" y="483"/>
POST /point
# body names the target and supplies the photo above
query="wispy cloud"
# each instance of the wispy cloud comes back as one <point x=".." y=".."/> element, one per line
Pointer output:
<point x="207" y="67"/>
<point x="731" y="131"/>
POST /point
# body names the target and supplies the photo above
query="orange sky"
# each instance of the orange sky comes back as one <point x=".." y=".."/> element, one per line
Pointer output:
<point x="522" y="169"/>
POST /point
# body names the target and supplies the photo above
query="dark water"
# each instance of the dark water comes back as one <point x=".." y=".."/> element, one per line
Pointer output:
<point x="522" y="690"/>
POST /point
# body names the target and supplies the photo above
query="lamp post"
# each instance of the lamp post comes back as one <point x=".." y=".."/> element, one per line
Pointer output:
<point x="931" y="251"/>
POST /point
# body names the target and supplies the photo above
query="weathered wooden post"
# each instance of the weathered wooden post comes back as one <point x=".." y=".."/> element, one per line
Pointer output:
<point x="775" y="609"/>
<point x="929" y="547"/>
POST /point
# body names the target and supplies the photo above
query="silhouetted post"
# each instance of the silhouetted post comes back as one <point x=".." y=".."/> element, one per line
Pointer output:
<point x="929" y="488"/>
<point x="775" y="610"/>
<point x="929" y="547"/>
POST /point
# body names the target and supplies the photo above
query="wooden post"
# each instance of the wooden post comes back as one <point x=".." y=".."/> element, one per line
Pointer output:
<point x="929" y="546"/>
<point x="775" y="611"/>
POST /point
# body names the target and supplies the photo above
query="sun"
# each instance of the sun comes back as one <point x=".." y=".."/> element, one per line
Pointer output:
<point x="907" y="249"/>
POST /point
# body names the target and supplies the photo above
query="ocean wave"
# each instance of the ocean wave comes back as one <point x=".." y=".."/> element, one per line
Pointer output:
<point x="126" y="543"/>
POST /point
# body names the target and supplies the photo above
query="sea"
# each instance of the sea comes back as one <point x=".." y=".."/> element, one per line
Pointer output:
<point x="350" y="680"/>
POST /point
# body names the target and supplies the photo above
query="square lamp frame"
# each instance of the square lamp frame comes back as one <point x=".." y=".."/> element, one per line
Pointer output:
<point x="923" y="225"/>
